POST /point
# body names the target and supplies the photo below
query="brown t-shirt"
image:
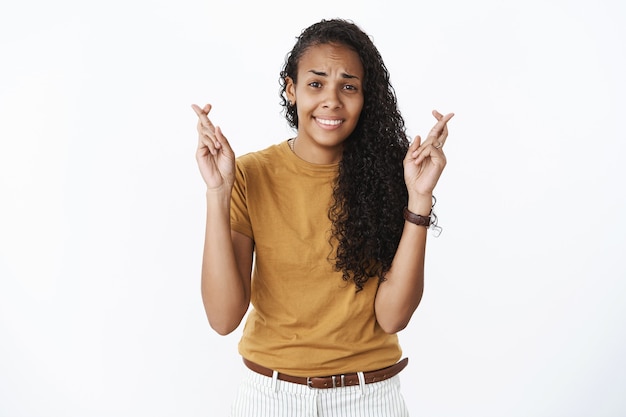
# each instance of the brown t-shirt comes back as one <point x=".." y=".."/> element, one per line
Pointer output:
<point x="306" y="320"/>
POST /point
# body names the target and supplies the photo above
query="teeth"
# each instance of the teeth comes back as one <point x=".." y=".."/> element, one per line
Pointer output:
<point x="329" y="122"/>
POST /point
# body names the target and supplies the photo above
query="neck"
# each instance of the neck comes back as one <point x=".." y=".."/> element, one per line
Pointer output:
<point x="321" y="155"/>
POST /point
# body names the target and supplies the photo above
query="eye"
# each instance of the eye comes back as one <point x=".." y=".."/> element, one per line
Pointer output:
<point x="350" y="87"/>
<point x="315" y="84"/>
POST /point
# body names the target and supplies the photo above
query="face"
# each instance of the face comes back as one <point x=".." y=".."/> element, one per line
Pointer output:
<point x="328" y="97"/>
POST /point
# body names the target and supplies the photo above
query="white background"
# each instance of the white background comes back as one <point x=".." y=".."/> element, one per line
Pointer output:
<point x="102" y="206"/>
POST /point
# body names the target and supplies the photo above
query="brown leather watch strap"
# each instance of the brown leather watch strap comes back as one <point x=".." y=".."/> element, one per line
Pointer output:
<point x="416" y="218"/>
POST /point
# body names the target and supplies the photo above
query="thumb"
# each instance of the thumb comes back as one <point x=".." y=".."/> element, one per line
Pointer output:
<point x="414" y="146"/>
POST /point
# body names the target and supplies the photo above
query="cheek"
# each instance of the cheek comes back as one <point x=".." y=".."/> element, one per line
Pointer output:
<point x="304" y="104"/>
<point x="358" y="108"/>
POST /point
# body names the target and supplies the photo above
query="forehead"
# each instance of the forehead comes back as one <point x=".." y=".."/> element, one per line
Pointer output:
<point x="331" y="56"/>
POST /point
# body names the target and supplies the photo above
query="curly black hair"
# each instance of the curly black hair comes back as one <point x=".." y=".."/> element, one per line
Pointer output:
<point x="369" y="192"/>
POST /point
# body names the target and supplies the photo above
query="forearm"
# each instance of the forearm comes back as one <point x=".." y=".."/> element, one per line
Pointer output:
<point x="225" y="293"/>
<point x="400" y="294"/>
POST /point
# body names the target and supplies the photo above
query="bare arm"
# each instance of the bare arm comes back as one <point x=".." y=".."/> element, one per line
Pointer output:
<point x="226" y="270"/>
<point x="227" y="257"/>
<point x="399" y="296"/>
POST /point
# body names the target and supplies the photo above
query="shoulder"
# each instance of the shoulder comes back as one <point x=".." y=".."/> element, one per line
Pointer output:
<point x="262" y="158"/>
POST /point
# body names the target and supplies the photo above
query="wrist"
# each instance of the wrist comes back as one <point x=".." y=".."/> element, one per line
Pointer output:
<point x="218" y="197"/>
<point x="420" y="204"/>
<point x="416" y="219"/>
<point x="420" y="213"/>
<point x="224" y="188"/>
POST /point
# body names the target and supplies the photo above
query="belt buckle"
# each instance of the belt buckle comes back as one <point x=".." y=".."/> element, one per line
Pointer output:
<point x="334" y="379"/>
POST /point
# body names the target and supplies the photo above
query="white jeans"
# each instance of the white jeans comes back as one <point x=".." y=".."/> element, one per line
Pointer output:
<point x="261" y="396"/>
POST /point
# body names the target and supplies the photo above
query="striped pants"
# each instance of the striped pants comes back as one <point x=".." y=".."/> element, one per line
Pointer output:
<point x="261" y="396"/>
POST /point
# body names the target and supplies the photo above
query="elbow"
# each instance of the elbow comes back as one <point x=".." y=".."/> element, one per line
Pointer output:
<point x="224" y="324"/>
<point x="223" y="328"/>
<point x="224" y="318"/>
<point x="394" y="321"/>
<point x="223" y="331"/>
<point x="393" y="327"/>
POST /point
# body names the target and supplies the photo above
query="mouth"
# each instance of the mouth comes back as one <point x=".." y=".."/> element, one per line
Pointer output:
<point x="329" y="123"/>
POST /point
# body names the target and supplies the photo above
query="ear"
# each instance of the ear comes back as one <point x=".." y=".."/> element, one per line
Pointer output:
<point x="290" y="90"/>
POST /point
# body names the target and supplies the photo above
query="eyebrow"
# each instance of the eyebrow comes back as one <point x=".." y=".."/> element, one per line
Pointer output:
<point x="323" y="74"/>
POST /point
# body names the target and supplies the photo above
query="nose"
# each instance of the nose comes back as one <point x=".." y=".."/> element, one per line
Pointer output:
<point x="332" y="99"/>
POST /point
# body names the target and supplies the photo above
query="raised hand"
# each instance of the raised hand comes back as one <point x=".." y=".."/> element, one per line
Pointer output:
<point x="215" y="157"/>
<point x="424" y="162"/>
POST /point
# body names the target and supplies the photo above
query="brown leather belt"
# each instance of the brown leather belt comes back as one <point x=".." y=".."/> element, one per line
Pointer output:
<point x="333" y="381"/>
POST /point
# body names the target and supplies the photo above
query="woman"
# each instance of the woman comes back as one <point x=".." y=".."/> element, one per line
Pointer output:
<point x="335" y="220"/>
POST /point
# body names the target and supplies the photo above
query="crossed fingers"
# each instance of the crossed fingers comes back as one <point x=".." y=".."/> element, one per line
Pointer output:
<point x="439" y="133"/>
<point x="206" y="130"/>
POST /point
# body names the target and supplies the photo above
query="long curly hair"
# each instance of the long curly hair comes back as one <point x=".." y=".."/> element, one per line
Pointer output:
<point x="369" y="192"/>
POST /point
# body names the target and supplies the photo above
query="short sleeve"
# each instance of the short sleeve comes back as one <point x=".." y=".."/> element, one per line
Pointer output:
<point x="239" y="215"/>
